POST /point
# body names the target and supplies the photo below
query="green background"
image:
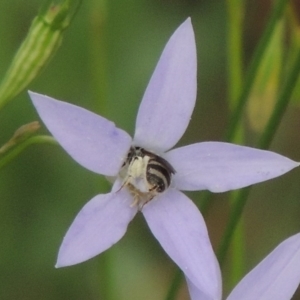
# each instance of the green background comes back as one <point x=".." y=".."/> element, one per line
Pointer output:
<point x="104" y="64"/>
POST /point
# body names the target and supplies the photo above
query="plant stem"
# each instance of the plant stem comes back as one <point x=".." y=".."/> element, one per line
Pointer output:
<point x="38" y="139"/>
<point x="264" y="143"/>
<point x="275" y="16"/>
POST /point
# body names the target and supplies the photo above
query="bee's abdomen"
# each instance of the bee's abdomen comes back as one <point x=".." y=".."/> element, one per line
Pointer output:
<point x="158" y="175"/>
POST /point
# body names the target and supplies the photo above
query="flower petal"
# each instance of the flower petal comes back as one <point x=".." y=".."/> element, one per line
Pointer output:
<point x="169" y="100"/>
<point x="91" y="140"/>
<point x="220" y="167"/>
<point x="99" y="225"/>
<point x="197" y="294"/>
<point x="275" y="278"/>
<point x="179" y="227"/>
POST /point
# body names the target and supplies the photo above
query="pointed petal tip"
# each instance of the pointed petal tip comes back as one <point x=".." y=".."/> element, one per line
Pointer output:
<point x="66" y="258"/>
<point x="180" y="229"/>
<point x="34" y="95"/>
<point x="169" y="100"/>
<point x="187" y="25"/>
<point x="220" y="167"/>
<point x="61" y="262"/>
<point x="188" y="21"/>
<point x="100" y="224"/>
<point x="84" y="134"/>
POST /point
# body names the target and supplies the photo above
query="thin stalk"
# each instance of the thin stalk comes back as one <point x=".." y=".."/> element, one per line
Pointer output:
<point x="235" y="18"/>
<point x="281" y="106"/>
<point x="264" y="143"/>
<point x="276" y="14"/>
<point x="99" y="81"/>
<point x="175" y="284"/>
<point x="233" y="127"/>
<point x="18" y="149"/>
<point x="98" y="54"/>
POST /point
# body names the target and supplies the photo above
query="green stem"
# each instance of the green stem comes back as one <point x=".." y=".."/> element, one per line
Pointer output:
<point x="281" y="105"/>
<point x="38" y="139"/>
<point x="105" y="286"/>
<point x="276" y="14"/>
<point x="235" y="13"/>
<point x="98" y="68"/>
<point x="264" y="143"/>
<point x="235" y="18"/>
<point x="234" y="218"/>
<point x="98" y="54"/>
<point x="175" y="284"/>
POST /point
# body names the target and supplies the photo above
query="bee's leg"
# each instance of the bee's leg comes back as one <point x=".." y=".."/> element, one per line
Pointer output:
<point x="141" y="205"/>
<point x="126" y="181"/>
<point x="136" y="199"/>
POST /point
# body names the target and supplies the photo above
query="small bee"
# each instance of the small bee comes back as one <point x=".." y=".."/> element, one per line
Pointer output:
<point x="146" y="174"/>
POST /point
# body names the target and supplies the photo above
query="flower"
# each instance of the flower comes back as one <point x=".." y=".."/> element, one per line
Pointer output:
<point x="275" y="278"/>
<point x="145" y="165"/>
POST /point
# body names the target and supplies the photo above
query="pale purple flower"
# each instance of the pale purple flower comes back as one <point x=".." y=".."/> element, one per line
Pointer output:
<point x="275" y="278"/>
<point x="164" y="113"/>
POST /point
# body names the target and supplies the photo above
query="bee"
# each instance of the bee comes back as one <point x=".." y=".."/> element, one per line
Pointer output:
<point x="146" y="174"/>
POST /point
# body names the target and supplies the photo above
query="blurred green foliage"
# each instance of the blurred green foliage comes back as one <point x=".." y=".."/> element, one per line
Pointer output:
<point x="104" y="64"/>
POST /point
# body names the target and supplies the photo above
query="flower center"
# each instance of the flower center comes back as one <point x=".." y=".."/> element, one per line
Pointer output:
<point x="145" y="175"/>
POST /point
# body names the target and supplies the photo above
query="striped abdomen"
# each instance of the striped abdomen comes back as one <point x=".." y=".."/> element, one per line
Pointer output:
<point x="158" y="174"/>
